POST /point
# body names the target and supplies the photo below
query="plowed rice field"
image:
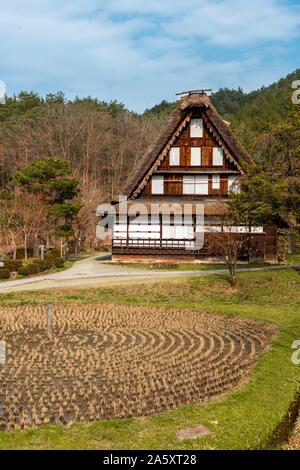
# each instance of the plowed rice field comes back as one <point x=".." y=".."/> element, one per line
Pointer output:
<point x="110" y="361"/>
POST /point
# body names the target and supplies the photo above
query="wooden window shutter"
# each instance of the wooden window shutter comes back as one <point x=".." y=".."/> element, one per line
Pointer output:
<point x="206" y="156"/>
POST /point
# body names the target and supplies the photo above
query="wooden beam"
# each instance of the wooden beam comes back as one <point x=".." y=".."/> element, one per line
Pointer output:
<point x="200" y="91"/>
<point x="221" y="142"/>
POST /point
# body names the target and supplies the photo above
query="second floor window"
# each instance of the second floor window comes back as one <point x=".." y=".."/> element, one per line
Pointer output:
<point x="196" y="128"/>
<point x="195" y="156"/>
<point x="218" y="158"/>
<point x="197" y="184"/>
<point x="157" y="184"/>
<point x="216" y="180"/>
<point x="175" y="156"/>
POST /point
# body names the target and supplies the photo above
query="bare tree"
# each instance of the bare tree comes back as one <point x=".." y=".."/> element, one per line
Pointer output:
<point x="22" y="216"/>
<point x="86" y="220"/>
<point x="33" y="218"/>
<point x="11" y="226"/>
<point x="101" y="146"/>
<point x="228" y="240"/>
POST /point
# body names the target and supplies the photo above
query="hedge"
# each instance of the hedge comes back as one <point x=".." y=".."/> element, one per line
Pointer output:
<point x="40" y="265"/>
<point x="4" y="273"/>
<point x="13" y="265"/>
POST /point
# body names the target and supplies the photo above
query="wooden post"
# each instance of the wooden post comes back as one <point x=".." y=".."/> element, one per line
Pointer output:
<point x="42" y="251"/>
<point x="160" y="219"/>
<point x="25" y="247"/>
<point x="2" y="353"/>
<point x="49" y="321"/>
<point x="61" y="248"/>
<point x="127" y="228"/>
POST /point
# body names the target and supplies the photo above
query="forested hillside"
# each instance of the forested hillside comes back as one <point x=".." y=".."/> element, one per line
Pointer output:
<point x="101" y="141"/>
<point x="104" y="141"/>
<point x="250" y="114"/>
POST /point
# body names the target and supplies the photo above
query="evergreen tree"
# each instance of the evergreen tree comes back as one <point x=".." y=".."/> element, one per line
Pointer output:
<point x="51" y="180"/>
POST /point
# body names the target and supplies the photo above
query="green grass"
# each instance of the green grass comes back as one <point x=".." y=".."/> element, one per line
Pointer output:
<point x="293" y="258"/>
<point x="244" y="419"/>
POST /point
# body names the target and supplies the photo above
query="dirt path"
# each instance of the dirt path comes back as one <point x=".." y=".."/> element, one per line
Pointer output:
<point x="93" y="271"/>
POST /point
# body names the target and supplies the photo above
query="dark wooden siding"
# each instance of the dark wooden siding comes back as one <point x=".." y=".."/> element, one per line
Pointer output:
<point x="271" y="243"/>
<point x="173" y="175"/>
<point x="173" y="186"/>
<point x="184" y="142"/>
<point x="257" y="250"/>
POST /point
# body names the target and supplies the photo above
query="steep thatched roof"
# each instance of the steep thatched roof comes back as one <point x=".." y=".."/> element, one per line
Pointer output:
<point x="176" y="122"/>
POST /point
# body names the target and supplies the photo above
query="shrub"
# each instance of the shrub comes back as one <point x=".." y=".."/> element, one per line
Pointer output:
<point x="13" y="265"/>
<point x="29" y="269"/>
<point x="58" y="262"/>
<point x="53" y="252"/>
<point x="54" y="261"/>
<point x="40" y="265"/>
<point x="21" y="253"/>
<point x="4" y="273"/>
<point x="47" y="263"/>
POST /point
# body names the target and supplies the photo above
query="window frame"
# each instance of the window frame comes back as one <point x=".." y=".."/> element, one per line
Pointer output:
<point x="177" y="155"/>
<point x="199" y="155"/>
<point x="200" y="184"/>
<point x="220" y="154"/>
<point x="159" y="179"/>
<point x="195" y="185"/>
<point x="194" y="128"/>
<point x="190" y="185"/>
<point x="216" y="184"/>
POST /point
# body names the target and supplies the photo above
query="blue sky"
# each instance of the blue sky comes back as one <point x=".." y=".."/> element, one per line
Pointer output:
<point x="142" y="51"/>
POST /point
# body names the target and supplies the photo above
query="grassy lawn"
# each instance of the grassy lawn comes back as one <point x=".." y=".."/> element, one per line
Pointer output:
<point x="293" y="258"/>
<point x="244" y="419"/>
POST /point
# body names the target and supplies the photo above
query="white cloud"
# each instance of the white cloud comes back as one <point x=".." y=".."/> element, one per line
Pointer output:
<point x="225" y="22"/>
<point x="142" y="51"/>
<point x="236" y="23"/>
